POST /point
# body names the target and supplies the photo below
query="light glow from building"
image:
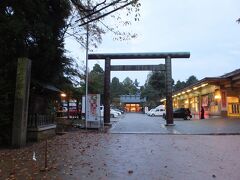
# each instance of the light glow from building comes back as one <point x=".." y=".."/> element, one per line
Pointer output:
<point x="203" y="85"/>
<point x="217" y="97"/>
<point x="63" y="95"/>
<point x="163" y="100"/>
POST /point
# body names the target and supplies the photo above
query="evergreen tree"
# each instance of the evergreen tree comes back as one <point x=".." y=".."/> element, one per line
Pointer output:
<point x="182" y="84"/>
<point x="31" y="29"/>
<point x="154" y="88"/>
<point x="96" y="80"/>
<point x="191" y="80"/>
<point x="129" y="86"/>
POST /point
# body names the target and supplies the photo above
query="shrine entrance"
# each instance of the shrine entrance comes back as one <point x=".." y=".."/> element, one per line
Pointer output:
<point x="167" y="67"/>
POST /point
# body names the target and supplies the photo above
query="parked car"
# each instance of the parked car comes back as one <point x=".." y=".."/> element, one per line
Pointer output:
<point x="119" y="110"/>
<point x="114" y="111"/>
<point x="149" y="112"/>
<point x="184" y="113"/>
<point x="113" y="114"/>
<point x="156" y="112"/>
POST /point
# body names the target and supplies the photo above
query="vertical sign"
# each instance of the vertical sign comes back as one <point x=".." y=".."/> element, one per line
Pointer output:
<point x="204" y="100"/>
<point x="224" y="100"/>
<point x="93" y="108"/>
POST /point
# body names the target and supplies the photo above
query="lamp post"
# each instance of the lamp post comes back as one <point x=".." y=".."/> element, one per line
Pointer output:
<point x="86" y="90"/>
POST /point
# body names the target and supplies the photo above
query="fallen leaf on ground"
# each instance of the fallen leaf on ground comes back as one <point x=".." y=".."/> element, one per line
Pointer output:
<point x="130" y="171"/>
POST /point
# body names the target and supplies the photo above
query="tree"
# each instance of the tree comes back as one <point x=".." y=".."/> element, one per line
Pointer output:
<point x="37" y="29"/>
<point x="151" y="94"/>
<point x="32" y="29"/>
<point x="96" y="80"/>
<point x="191" y="80"/>
<point x="154" y="88"/>
<point x="117" y="88"/>
<point x="91" y="14"/>
<point x="129" y="87"/>
<point x="182" y="84"/>
<point x="136" y="83"/>
<point x="179" y="85"/>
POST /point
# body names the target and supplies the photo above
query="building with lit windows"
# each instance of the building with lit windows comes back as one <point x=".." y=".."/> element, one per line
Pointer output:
<point x="219" y="96"/>
<point x="132" y="103"/>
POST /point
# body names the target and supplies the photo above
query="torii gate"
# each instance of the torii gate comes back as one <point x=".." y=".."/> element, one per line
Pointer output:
<point x="167" y="68"/>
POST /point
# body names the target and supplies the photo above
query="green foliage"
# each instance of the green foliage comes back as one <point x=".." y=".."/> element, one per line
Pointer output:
<point x="122" y="88"/>
<point x="154" y="88"/>
<point x="96" y="80"/>
<point x="182" y="84"/>
<point x="129" y="87"/>
<point x="191" y="80"/>
<point x="179" y="85"/>
<point x="31" y="29"/>
<point x="117" y="89"/>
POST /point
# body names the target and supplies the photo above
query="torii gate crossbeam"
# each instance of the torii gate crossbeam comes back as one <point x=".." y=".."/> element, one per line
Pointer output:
<point x="123" y="56"/>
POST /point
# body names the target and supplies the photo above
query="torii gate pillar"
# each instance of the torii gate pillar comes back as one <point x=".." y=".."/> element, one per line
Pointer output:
<point x="169" y="104"/>
<point x="107" y="80"/>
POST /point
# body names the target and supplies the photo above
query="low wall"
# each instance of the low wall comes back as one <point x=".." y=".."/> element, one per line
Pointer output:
<point x="41" y="133"/>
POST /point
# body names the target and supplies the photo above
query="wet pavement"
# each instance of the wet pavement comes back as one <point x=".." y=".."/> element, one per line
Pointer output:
<point x="80" y="155"/>
<point x="137" y="147"/>
<point x="141" y="123"/>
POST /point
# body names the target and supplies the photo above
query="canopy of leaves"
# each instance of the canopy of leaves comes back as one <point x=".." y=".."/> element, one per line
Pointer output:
<point x="154" y="88"/>
<point x="182" y="84"/>
<point x="117" y="88"/>
<point x="129" y="86"/>
<point x="32" y="29"/>
<point x="95" y="80"/>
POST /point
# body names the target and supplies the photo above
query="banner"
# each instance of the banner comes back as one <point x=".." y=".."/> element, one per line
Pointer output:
<point x="204" y="100"/>
<point x="224" y="100"/>
<point x="93" y="107"/>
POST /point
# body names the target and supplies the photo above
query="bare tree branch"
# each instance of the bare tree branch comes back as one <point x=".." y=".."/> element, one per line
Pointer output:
<point x="95" y="7"/>
<point x="106" y="14"/>
<point x="87" y="16"/>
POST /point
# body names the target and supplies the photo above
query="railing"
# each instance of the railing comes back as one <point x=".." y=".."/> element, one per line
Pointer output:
<point x="38" y="120"/>
<point x="72" y="114"/>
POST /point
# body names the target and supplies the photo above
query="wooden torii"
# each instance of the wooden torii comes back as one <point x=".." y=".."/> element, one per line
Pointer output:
<point x="167" y="67"/>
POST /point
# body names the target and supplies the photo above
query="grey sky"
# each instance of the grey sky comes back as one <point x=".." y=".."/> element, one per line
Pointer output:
<point x="206" y="28"/>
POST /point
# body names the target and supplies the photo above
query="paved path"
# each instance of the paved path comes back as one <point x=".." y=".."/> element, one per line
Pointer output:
<point x="97" y="156"/>
<point x="141" y="123"/>
<point x="139" y="148"/>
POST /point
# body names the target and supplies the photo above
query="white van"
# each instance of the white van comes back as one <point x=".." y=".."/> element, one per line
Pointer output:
<point x="158" y="111"/>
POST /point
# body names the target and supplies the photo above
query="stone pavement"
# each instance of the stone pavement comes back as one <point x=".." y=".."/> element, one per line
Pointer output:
<point x="141" y="123"/>
<point x="137" y="147"/>
<point x="88" y="156"/>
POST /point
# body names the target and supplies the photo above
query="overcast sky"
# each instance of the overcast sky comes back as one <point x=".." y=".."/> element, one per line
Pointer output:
<point x="207" y="29"/>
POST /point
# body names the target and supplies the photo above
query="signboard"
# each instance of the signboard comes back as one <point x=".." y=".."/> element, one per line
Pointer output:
<point x="204" y="100"/>
<point x="93" y="107"/>
<point x="160" y="67"/>
<point x="224" y="100"/>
